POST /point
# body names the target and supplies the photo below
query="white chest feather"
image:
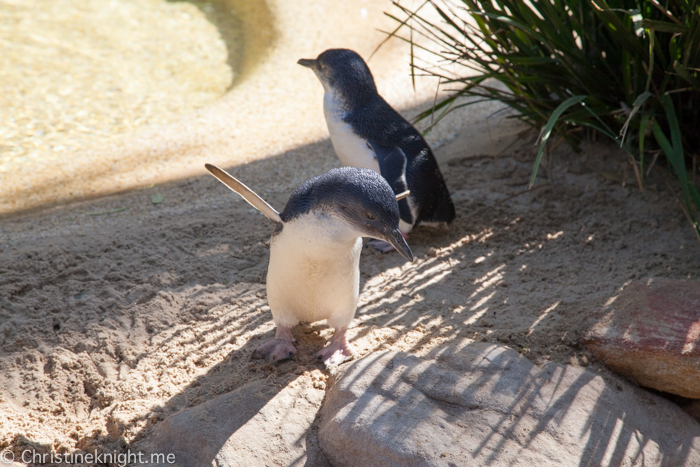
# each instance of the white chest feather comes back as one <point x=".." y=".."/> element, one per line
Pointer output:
<point x="350" y="148"/>
<point x="314" y="272"/>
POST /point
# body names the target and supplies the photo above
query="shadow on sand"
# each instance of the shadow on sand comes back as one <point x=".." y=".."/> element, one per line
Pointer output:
<point x="192" y="283"/>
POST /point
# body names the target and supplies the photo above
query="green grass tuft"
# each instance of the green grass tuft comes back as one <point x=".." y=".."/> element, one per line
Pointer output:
<point x="628" y="69"/>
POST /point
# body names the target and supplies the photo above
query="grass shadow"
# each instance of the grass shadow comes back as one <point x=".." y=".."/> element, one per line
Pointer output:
<point x="491" y="406"/>
<point x="171" y="296"/>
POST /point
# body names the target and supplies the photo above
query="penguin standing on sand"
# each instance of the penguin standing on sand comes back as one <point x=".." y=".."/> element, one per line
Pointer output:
<point x="314" y="269"/>
<point x="368" y="132"/>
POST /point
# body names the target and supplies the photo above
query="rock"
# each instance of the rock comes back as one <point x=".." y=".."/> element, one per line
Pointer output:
<point x="9" y="463"/>
<point x="258" y="424"/>
<point x="692" y="409"/>
<point x="482" y="404"/>
<point x="651" y="334"/>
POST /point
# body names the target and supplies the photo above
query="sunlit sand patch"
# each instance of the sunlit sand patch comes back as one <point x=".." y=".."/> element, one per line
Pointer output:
<point x="77" y="73"/>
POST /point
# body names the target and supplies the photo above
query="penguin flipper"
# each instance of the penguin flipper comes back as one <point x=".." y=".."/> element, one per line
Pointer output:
<point x="403" y="195"/>
<point x="249" y="195"/>
<point x="392" y="165"/>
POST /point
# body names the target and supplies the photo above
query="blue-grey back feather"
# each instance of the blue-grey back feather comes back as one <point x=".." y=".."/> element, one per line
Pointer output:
<point x="344" y="187"/>
<point x="374" y="120"/>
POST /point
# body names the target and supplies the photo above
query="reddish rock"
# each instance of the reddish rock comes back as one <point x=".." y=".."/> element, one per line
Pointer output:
<point x="651" y="333"/>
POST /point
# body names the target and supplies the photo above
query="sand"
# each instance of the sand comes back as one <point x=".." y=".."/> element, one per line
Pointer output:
<point x="77" y="75"/>
<point x="273" y="106"/>
<point x="120" y="310"/>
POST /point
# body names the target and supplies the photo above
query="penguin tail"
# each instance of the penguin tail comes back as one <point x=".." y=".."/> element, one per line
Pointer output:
<point x="443" y="211"/>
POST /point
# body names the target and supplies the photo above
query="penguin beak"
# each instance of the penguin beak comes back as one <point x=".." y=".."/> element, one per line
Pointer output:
<point x="307" y="62"/>
<point x="399" y="243"/>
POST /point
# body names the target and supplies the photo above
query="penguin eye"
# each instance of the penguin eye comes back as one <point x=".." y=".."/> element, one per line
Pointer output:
<point x="371" y="216"/>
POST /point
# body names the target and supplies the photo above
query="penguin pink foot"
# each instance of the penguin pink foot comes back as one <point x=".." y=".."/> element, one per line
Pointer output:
<point x="279" y="348"/>
<point x="382" y="246"/>
<point x="314" y="269"/>
<point x="367" y="132"/>
<point x="338" y="349"/>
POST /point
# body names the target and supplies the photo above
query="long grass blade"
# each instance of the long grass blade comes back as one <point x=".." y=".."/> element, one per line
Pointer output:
<point x="685" y="74"/>
<point x="638" y="102"/>
<point x="395" y="31"/>
<point x="663" y="26"/>
<point x="547" y="131"/>
<point x="643" y="128"/>
<point x="636" y="62"/>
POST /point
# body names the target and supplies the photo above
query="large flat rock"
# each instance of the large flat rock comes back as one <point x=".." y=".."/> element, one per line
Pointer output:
<point x="258" y="424"/>
<point x="482" y="404"/>
<point x="651" y="333"/>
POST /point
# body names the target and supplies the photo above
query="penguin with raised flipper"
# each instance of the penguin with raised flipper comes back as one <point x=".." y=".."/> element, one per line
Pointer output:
<point x="367" y="132"/>
<point x="314" y="271"/>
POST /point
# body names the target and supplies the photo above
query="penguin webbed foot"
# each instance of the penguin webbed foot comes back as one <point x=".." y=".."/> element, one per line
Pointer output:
<point x="381" y="246"/>
<point x="338" y="349"/>
<point x="279" y="348"/>
<point x="276" y="349"/>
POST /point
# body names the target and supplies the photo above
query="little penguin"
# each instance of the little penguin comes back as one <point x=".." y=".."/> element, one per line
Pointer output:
<point x="367" y="132"/>
<point x="314" y="268"/>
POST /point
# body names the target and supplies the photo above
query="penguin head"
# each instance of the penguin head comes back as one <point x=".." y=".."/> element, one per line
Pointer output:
<point x="345" y="73"/>
<point x="359" y="198"/>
